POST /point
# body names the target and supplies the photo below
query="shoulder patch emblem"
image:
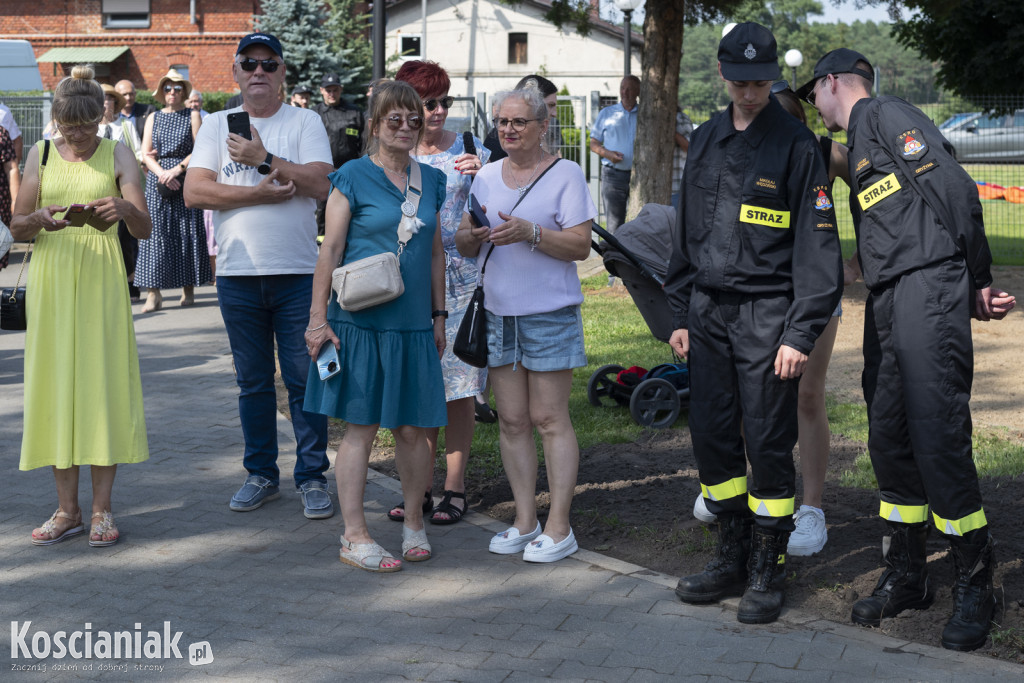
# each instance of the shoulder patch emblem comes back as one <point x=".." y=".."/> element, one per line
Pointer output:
<point x="911" y="144"/>
<point x="750" y="52"/>
<point x="822" y="202"/>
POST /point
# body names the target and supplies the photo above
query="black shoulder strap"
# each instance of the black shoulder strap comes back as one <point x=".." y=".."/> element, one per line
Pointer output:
<point x="523" y="196"/>
<point x="46" y="152"/>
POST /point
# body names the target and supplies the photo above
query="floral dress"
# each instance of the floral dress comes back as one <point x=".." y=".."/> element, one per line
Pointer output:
<point x="6" y="155"/>
<point x="460" y="380"/>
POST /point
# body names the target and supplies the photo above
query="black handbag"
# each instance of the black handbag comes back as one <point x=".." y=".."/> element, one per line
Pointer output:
<point x="13" y="314"/>
<point x="471" y="340"/>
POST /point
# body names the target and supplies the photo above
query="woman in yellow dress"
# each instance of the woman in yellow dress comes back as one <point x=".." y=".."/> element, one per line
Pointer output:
<point x="83" y="391"/>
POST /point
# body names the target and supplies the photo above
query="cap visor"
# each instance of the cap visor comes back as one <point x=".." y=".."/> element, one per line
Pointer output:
<point x="804" y="90"/>
<point x="750" y="72"/>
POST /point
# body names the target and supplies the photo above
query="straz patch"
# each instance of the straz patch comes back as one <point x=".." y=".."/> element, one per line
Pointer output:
<point x="762" y="216"/>
<point x="911" y="144"/>
<point x="822" y="202"/>
<point x="883" y="188"/>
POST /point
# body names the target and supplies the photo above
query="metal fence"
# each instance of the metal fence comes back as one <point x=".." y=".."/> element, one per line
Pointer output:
<point x="31" y="113"/>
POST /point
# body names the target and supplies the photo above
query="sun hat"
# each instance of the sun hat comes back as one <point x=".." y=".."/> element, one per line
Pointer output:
<point x="172" y="76"/>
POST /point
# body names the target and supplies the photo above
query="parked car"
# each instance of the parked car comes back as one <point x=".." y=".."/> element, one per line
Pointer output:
<point x="988" y="138"/>
<point x="957" y="118"/>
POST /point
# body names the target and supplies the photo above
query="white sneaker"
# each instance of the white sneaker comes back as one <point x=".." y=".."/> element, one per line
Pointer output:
<point x="510" y="541"/>
<point x="700" y="511"/>
<point x="810" y="534"/>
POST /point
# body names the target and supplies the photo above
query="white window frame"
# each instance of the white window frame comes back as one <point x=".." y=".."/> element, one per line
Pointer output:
<point x="126" y="13"/>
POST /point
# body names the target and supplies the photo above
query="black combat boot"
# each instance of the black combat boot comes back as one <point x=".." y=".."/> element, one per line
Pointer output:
<point x="726" y="574"/>
<point x="764" y="595"/>
<point x="973" y="598"/>
<point x="904" y="583"/>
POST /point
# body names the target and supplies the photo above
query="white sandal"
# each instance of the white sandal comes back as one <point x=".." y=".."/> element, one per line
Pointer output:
<point x="368" y="556"/>
<point x="415" y="540"/>
<point x="49" y="528"/>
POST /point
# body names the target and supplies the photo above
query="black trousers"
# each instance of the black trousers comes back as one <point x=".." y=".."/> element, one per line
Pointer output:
<point x="739" y="409"/>
<point x="918" y="370"/>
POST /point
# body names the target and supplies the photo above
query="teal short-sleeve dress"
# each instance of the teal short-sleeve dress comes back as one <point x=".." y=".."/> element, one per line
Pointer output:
<point x="390" y="371"/>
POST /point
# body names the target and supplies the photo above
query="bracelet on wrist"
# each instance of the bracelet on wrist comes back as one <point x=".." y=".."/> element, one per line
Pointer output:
<point x="536" y="237"/>
<point x="314" y="329"/>
<point x="438" y="314"/>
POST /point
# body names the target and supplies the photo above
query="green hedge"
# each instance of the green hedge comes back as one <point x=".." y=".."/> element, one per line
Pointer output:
<point x="212" y="101"/>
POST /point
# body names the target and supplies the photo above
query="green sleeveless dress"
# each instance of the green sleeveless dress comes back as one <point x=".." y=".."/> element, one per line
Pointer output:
<point x="83" y="391"/>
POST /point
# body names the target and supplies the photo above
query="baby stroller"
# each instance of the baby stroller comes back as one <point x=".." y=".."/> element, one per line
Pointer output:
<point x="638" y="253"/>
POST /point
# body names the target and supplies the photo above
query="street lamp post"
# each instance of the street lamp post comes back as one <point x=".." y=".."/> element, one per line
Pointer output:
<point x="627" y="7"/>
<point x="794" y="58"/>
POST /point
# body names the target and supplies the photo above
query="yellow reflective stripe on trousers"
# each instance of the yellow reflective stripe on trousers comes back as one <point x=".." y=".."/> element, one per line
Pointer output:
<point x="959" y="527"/>
<point x="771" y="507"/>
<point x="903" y="514"/>
<point x="725" y="490"/>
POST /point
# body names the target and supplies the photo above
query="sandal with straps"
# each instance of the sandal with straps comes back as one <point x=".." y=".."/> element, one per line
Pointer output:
<point x="102" y="528"/>
<point x="445" y="507"/>
<point x="397" y="513"/>
<point x="368" y="556"/>
<point x="49" y="528"/>
<point x="415" y="540"/>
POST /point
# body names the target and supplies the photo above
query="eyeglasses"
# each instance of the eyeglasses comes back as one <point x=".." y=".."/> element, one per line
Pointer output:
<point x="517" y="124"/>
<point x="173" y="88"/>
<point x="395" y="121"/>
<point x="813" y="94"/>
<point x="250" y="64"/>
<point x="84" y="128"/>
<point x="445" y="102"/>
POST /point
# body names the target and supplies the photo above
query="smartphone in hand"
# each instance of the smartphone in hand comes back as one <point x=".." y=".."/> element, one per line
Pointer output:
<point x="327" y="363"/>
<point x="238" y="123"/>
<point x="78" y="215"/>
<point x="476" y="212"/>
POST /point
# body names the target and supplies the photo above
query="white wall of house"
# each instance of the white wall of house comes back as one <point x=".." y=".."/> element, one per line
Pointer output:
<point x="470" y="39"/>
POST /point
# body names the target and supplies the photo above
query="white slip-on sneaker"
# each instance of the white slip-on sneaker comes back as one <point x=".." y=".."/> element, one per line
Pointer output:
<point x="810" y="534"/>
<point x="544" y="549"/>
<point x="510" y="541"/>
<point x="700" y="511"/>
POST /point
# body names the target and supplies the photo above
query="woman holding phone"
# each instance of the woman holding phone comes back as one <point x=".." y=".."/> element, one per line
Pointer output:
<point x="390" y="353"/>
<point x="83" y="392"/>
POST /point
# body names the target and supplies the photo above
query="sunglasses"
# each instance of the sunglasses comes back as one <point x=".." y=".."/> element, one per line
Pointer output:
<point x="395" y="121"/>
<point x="250" y="64"/>
<point x="813" y="94"/>
<point x="517" y="124"/>
<point x="445" y="102"/>
<point x="173" y="88"/>
<point x="779" y="86"/>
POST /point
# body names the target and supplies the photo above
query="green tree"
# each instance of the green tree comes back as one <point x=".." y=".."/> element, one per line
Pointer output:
<point x="311" y="32"/>
<point x="979" y="44"/>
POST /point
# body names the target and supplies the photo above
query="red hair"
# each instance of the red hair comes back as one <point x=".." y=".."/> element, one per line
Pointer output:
<point x="428" y="78"/>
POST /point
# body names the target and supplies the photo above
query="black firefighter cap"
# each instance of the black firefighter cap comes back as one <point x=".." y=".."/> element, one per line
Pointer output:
<point x="748" y="53"/>
<point x="839" y="61"/>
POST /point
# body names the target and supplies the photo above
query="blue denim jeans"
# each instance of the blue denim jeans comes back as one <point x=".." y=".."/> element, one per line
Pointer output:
<point x="615" y="193"/>
<point x="256" y="309"/>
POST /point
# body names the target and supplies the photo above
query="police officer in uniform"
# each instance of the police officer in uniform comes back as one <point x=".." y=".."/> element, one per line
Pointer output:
<point x="925" y="260"/>
<point x="753" y="280"/>
<point x="344" y="123"/>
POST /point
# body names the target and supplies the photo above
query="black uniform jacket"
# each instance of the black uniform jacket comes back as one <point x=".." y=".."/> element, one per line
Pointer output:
<point x="757" y="218"/>
<point x="344" y="124"/>
<point x="913" y="205"/>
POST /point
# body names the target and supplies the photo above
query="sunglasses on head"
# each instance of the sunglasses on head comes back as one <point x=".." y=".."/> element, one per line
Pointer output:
<point x="173" y="88"/>
<point x="779" y="86"/>
<point x="250" y="64"/>
<point x="445" y="102"/>
<point x="395" y="121"/>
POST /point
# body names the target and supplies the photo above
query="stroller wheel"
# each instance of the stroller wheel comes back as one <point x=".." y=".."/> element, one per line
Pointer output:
<point x="655" y="403"/>
<point x="603" y="384"/>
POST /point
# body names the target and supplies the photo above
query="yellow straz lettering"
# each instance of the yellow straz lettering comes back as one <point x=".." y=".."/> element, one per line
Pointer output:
<point x="879" y="191"/>
<point x="763" y="216"/>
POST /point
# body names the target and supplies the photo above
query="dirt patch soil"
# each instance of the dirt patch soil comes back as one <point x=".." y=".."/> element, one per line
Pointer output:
<point x="634" y="501"/>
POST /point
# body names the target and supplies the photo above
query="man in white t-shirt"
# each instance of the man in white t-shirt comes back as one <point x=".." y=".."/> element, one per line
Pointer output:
<point x="11" y="126"/>
<point x="263" y="193"/>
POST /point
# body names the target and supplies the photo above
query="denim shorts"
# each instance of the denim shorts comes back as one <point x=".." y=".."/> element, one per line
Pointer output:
<point x="542" y="342"/>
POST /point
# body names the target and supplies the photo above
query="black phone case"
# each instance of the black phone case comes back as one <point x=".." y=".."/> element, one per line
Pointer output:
<point x="238" y="123"/>
<point x="477" y="212"/>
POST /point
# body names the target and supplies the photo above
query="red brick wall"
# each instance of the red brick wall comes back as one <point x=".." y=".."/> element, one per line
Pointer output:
<point x="206" y="47"/>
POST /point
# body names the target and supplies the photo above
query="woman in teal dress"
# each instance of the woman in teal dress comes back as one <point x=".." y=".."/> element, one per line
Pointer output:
<point x="389" y="354"/>
<point x="83" y="393"/>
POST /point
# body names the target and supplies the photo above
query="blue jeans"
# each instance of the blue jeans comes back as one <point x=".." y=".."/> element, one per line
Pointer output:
<point x="255" y="310"/>
<point x="615" y="193"/>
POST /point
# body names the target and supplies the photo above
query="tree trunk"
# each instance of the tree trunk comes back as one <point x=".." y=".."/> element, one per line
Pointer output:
<point x="659" y="91"/>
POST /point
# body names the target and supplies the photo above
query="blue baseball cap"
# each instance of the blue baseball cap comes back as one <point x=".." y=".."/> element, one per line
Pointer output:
<point x="264" y="39"/>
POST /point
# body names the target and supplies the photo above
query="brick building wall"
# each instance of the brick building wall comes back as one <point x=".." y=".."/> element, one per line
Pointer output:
<point x="207" y="47"/>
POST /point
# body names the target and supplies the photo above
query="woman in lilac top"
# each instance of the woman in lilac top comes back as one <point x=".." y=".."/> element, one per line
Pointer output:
<point x="535" y="332"/>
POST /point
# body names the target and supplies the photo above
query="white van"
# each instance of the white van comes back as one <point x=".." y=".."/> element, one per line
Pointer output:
<point x="18" y="67"/>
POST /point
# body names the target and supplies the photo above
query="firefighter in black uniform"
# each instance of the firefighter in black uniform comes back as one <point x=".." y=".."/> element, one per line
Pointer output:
<point x="753" y="280"/>
<point x="926" y="261"/>
<point x="344" y="123"/>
